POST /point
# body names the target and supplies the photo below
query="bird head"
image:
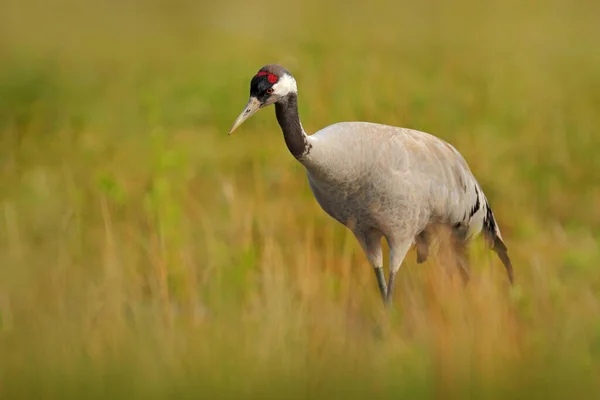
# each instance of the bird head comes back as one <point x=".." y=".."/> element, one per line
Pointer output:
<point x="271" y="84"/>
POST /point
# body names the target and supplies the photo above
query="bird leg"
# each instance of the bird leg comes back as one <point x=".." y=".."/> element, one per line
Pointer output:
<point x="381" y="282"/>
<point x="463" y="268"/>
<point x="391" y="285"/>
<point x="422" y="242"/>
<point x="371" y="244"/>
<point x="397" y="253"/>
<point x="460" y="250"/>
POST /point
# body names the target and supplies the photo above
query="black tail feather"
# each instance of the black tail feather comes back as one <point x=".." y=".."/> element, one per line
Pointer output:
<point x="502" y="251"/>
<point x="493" y="237"/>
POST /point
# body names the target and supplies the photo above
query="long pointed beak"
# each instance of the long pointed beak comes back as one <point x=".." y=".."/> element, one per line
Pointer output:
<point x="252" y="107"/>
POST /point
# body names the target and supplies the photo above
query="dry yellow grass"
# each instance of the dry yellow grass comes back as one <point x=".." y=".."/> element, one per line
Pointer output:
<point x="145" y="253"/>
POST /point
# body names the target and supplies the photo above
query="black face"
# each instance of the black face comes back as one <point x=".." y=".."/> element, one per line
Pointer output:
<point x="261" y="86"/>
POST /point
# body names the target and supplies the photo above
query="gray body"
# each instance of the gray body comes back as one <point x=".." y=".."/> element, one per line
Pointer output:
<point x="384" y="181"/>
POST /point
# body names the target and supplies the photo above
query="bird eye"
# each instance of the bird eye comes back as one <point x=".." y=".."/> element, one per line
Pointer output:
<point x="270" y="91"/>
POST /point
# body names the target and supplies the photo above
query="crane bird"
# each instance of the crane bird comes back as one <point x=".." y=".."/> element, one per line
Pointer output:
<point x="381" y="181"/>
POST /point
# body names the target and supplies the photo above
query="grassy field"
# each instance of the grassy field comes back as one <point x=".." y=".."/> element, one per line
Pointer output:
<point x="146" y="254"/>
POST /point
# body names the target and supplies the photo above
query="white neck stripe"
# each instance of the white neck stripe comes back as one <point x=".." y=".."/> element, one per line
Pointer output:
<point x="285" y="86"/>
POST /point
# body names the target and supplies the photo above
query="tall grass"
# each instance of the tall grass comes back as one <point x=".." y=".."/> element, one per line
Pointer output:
<point x="146" y="254"/>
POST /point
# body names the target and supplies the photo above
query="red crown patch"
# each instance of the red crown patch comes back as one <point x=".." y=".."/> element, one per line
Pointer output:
<point x="272" y="78"/>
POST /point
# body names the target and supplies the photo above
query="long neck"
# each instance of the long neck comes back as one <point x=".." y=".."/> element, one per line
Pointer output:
<point x="286" y="110"/>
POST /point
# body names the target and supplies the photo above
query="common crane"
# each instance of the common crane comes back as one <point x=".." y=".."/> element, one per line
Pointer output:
<point x="381" y="181"/>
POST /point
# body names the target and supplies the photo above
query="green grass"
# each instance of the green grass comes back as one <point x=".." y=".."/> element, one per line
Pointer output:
<point x="144" y="253"/>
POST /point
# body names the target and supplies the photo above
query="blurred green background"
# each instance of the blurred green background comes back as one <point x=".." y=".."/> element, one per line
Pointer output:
<point x="146" y="254"/>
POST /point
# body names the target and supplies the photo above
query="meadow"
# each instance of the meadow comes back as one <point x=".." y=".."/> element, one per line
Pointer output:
<point x="144" y="253"/>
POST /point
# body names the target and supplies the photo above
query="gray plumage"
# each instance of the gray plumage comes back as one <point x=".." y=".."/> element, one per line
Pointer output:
<point x="381" y="181"/>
